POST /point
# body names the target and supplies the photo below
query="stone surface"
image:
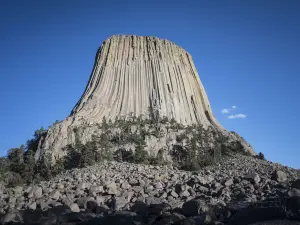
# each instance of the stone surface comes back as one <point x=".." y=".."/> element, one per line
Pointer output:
<point x="279" y="176"/>
<point x="74" y="207"/>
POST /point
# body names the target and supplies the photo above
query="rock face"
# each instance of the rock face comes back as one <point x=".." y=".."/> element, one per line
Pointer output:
<point x="131" y="75"/>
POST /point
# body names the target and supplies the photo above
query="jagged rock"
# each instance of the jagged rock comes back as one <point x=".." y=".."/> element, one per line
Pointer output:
<point x="174" y="194"/>
<point x="82" y="186"/>
<point x="228" y="182"/>
<point x="111" y="188"/>
<point x="94" y="190"/>
<point x="185" y="193"/>
<point x="159" y="185"/>
<point x="100" y="199"/>
<point x="279" y="176"/>
<point x="253" y="177"/>
<point x="133" y="74"/>
<point x="74" y="207"/>
<point x="194" y="207"/>
<point x="38" y="193"/>
<point x="82" y="202"/>
<point x="13" y="216"/>
<point x="125" y="185"/>
<point x="32" y="206"/>
<point x="55" y="195"/>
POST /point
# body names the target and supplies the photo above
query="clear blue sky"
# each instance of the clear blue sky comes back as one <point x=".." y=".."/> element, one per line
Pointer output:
<point x="247" y="54"/>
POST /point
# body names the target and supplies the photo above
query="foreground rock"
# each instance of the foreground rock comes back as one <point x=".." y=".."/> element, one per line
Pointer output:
<point x="109" y="191"/>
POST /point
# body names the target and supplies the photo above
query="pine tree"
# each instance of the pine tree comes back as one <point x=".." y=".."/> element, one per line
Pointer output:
<point x="29" y="164"/>
<point x="16" y="158"/>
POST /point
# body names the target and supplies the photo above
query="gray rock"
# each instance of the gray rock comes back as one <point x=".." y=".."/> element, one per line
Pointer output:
<point x="94" y="190"/>
<point x="43" y="205"/>
<point x="74" y="207"/>
<point x="137" y="189"/>
<point x="279" y="176"/>
<point x="174" y="194"/>
<point x="12" y="216"/>
<point x="203" y="189"/>
<point x="38" y="193"/>
<point x="142" y="182"/>
<point x="111" y="188"/>
<point x="253" y="178"/>
<point x="194" y="207"/>
<point x="164" y="195"/>
<point x="125" y="185"/>
<point x="133" y="181"/>
<point x="32" y="206"/>
<point x="28" y="190"/>
<point x="82" y="186"/>
<point x="67" y="201"/>
<point x="153" y="200"/>
<point x="100" y="199"/>
<point x="228" y="182"/>
<point x="121" y="202"/>
<point x="148" y="188"/>
<point x="82" y="202"/>
<point x="60" y="186"/>
<point x="17" y="191"/>
<point x="159" y="185"/>
<point x="55" y="195"/>
<point x="185" y="193"/>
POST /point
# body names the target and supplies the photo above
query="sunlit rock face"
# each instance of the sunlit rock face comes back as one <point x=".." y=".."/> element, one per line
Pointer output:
<point x="131" y="75"/>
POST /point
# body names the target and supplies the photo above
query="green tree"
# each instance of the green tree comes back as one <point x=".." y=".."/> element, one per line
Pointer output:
<point x="73" y="157"/>
<point x="33" y="143"/>
<point x="16" y="158"/>
<point x="29" y="164"/>
<point x="87" y="154"/>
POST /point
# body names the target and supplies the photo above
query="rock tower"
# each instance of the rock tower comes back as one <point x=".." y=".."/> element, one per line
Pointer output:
<point x="132" y="74"/>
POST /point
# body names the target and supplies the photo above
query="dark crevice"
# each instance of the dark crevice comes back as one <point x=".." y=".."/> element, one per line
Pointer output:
<point x="169" y="88"/>
<point x="194" y="108"/>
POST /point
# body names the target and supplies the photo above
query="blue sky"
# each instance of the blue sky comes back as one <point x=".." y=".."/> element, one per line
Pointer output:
<point x="246" y="52"/>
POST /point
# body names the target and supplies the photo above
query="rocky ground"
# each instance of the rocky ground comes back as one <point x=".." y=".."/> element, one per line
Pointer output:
<point x="239" y="190"/>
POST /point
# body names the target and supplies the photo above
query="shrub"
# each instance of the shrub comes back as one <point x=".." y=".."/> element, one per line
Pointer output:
<point x="261" y="156"/>
<point x="72" y="159"/>
<point x="11" y="179"/>
<point x="140" y="155"/>
<point x="122" y="155"/>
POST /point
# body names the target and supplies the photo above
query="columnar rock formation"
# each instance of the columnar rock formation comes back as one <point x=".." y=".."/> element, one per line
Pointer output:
<point x="131" y="75"/>
<point x="134" y="73"/>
